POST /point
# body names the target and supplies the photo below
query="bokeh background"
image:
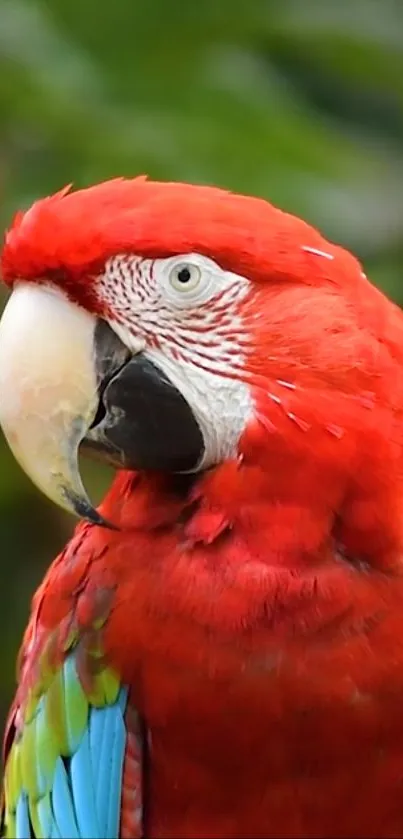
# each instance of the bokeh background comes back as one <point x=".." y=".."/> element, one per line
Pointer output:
<point x="300" y="101"/>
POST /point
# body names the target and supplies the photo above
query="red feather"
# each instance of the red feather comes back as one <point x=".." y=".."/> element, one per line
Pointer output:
<point x="71" y="234"/>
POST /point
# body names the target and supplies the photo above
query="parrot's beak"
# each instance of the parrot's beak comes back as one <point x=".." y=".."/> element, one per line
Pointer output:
<point x="48" y="390"/>
<point x="66" y="379"/>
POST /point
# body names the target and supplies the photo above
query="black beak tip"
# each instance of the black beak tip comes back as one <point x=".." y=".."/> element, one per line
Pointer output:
<point x="84" y="510"/>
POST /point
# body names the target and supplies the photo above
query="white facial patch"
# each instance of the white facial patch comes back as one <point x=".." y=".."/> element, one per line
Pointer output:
<point x="184" y="313"/>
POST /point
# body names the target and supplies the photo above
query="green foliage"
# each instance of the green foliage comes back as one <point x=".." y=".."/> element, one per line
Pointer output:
<point x="300" y="101"/>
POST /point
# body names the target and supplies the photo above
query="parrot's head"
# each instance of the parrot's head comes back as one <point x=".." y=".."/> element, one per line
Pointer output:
<point x="174" y="327"/>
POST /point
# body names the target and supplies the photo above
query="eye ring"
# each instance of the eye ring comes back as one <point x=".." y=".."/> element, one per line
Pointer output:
<point x="185" y="277"/>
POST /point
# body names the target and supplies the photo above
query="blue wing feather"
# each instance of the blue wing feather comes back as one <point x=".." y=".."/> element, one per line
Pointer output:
<point x="55" y="833"/>
<point x="103" y="770"/>
<point x="83" y="793"/>
<point x="80" y="797"/>
<point x="107" y="796"/>
<point x="87" y="800"/>
<point x="62" y="804"/>
<point x="45" y="815"/>
<point x="116" y="770"/>
<point x="22" y="818"/>
<point x="96" y="728"/>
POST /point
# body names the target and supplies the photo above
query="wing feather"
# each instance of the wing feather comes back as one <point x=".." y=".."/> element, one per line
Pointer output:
<point x="64" y="770"/>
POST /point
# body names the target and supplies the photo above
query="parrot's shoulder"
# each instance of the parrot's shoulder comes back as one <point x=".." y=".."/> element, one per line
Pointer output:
<point x="69" y="609"/>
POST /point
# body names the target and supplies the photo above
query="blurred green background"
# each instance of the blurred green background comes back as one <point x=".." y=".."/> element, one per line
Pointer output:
<point x="300" y="101"/>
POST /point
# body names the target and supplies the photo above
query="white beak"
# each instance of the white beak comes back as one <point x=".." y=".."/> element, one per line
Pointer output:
<point x="48" y="389"/>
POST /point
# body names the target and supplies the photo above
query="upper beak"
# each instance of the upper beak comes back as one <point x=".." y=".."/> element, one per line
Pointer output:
<point x="49" y="388"/>
<point x="65" y="379"/>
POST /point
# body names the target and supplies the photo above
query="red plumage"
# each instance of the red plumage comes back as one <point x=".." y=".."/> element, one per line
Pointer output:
<point x="245" y="234"/>
<point x="256" y="613"/>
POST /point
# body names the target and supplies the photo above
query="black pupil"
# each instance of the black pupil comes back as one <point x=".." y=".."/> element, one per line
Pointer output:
<point x="184" y="275"/>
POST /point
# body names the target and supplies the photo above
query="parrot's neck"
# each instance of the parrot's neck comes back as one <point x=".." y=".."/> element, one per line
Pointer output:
<point x="287" y="517"/>
<point x="292" y="530"/>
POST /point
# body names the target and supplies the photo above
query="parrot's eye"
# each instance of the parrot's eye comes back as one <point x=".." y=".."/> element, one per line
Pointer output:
<point x="185" y="277"/>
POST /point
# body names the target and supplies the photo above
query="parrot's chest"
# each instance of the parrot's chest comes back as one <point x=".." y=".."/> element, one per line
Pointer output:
<point x="298" y="746"/>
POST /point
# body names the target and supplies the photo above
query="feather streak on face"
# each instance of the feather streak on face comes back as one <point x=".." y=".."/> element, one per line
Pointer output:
<point x="197" y="338"/>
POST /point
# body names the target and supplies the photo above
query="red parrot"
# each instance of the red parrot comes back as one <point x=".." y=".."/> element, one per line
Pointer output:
<point x="218" y="651"/>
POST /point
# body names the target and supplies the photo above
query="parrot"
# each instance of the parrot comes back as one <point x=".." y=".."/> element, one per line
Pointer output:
<point x="217" y="653"/>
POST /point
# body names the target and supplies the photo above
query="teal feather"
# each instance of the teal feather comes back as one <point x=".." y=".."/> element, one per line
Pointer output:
<point x="62" y="805"/>
<point x="97" y="726"/>
<point x="45" y="815"/>
<point x="22" y="818"/>
<point x="104" y="790"/>
<point x="116" y="770"/>
<point x="103" y="787"/>
<point x="83" y="793"/>
<point x="55" y="833"/>
<point x="122" y="700"/>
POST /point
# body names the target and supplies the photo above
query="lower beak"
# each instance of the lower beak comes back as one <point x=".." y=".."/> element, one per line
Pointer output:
<point x="66" y="379"/>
